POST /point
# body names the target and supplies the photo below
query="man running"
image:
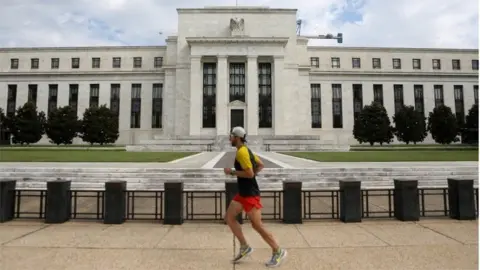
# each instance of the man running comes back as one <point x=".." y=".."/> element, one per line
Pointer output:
<point x="247" y="166"/>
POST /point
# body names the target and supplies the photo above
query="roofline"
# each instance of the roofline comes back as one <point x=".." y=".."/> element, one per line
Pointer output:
<point x="81" y="48"/>
<point x="235" y="9"/>
<point x="392" y="49"/>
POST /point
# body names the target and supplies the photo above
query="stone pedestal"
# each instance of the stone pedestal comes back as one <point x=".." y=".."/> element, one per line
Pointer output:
<point x="461" y="199"/>
<point x="59" y="201"/>
<point x="173" y="202"/>
<point x="7" y="199"/>
<point x="115" y="202"/>
<point x="292" y="202"/>
<point x="350" y="201"/>
<point x="231" y="189"/>
<point x="406" y="203"/>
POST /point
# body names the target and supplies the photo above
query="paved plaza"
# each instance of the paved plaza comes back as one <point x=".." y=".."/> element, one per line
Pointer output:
<point x="428" y="244"/>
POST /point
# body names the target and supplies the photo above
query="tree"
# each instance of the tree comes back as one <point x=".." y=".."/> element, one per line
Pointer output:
<point x="470" y="130"/>
<point x="410" y="125"/>
<point x="27" y="125"/>
<point x="99" y="125"/>
<point x="62" y="125"/>
<point x="442" y="124"/>
<point x="373" y="125"/>
<point x="4" y="137"/>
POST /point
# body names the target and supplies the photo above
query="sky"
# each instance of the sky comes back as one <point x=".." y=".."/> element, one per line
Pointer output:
<point x="375" y="23"/>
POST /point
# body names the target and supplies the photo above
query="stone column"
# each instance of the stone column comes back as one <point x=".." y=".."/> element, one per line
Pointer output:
<point x="277" y="103"/>
<point x="252" y="95"/>
<point x="146" y="109"/>
<point x="196" y="99"/>
<point x="222" y="95"/>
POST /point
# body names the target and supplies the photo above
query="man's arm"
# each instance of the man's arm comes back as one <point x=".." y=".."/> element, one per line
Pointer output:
<point x="260" y="165"/>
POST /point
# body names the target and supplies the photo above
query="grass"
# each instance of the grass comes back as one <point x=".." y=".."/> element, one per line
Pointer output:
<point x="388" y="156"/>
<point x="82" y="155"/>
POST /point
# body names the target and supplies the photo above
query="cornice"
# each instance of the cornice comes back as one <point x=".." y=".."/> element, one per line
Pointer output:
<point x="81" y="49"/>
<point x="82" y="73"/>
<point x="237" y="40"/>
<point x="236" y="9"/>
<point x="391" y="73"/>
<point x="390" y="49"/>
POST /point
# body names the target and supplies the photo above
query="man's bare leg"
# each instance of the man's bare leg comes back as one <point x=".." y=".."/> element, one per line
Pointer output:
<point x="233" y="210"/>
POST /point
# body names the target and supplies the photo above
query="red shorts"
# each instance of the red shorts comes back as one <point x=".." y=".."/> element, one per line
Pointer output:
<point x="248" y="203"/>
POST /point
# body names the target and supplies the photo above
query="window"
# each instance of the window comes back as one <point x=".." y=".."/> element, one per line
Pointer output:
<point x="94" y="95"/>
<point x="34" y="63"/>
<point x="55" y="63"/>
<point x="355" y="62"/>
<point x="438" y="95"/>
<point x="397" y="63"/>
<point x="357" y="100"/>
<point x="73" y="97"/>
<point x="475" y="64"/>
<point x="459" y="104"/>
<point x="209" y="95"/>
<point x="237" y="81"/>
<point x="115" y="98"/>
<point x="316" y="105"/>
<point x="95" y="62"/>
<point x="335" y="62"/>
<point x="157" y="105"/>
<point x="264" y="95"/>
<point x="314" y="62"/>
<point x="337" y="106"/>
<point x="398" y="97"/>
<point x="116" y="62"/>
<point x="14" y="63"/>
<point x="417" y="64"/>
<point x="32" y="93"/>
<point x="378" y="93"/>
<point x="136" y="106"/>
<point x="419" y="101"/>
<point x="376" y="63"/>
<point x="475" y="93"/>
<point x="456" y="64"/>
<point x="158" y="62"/>
<point x="137" y="62"/>
<point x="52" y="97"/>
<point x="11" y="99"/>
<point x="436" y="64"/>
<point x="76" y="62"/>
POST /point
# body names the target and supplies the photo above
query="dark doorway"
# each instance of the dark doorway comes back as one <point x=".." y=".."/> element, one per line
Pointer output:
<point x="236" y="119"/>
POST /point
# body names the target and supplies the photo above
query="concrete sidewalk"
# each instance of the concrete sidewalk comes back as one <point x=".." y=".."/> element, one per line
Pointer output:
<point x="429" y="244"/>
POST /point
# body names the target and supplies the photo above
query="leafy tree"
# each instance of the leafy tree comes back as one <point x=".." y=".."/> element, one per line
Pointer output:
<point x="470" y="130"/>
<point x="3" y="128"/>
<point x="62" y="125"/>
<point x="410" y="125"/>
<point x="27" y="125"/>
<point x="99" y="125"/>
<point x="373" y="125"/>
<point x="443" y="125"/>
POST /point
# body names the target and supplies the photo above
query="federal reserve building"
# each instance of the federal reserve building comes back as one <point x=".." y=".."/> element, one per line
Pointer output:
<point x="237" y="66"/>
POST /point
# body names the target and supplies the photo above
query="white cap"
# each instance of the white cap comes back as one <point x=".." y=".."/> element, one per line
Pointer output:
<point x="239" y="132"/>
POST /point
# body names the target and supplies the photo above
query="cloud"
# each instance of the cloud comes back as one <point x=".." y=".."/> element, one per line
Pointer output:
<point x="400" y="23"/>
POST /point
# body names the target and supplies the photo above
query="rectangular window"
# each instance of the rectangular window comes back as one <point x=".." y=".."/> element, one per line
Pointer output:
<point x="438" y="94"/>
<point x="158" y="62"/>
<point x="157" y="105"/>
<point x="14" y="63"/>
<point x="337" y="106"/>
<point x="115" y="98"/>
<point x="11" y="99"/>
<point x="316" y="105"/>
<point x="209" y="95"/>
<point x="355" y="62"/>
<point x="376" y="63"/>
<point x="52" y="97"/>
<point x="417" y="64"/>
<point x="398" y="97"/>
<point x="335" y="62"/>
<point x="35" y="63"/>
<point x="55" y="63"/>
<point x="137" y="62"/>
<point x="378" y="93"/>
<point x="397" y="63"/>
<point x="94" y="95"/>
<point x="475" y="93"/>
<point x="456" y="64"/>
<point x="357" y="100"/>
<point x="76" y="62"/>
<point x="436" y="64"/>
<point x="95" y="62"/>
<point x="419" y="101"/>
<point x="264" y="95"/>
<point x="314" y="62"/>
<point x="116" y="62"/>
<point x="73" y="97"/>
<point x="136" y="106"/>
<point x="475" y="64"/>
<point x="237" y="81"/>
<point x="32" y="93"/>
<point x="459" y="104"/>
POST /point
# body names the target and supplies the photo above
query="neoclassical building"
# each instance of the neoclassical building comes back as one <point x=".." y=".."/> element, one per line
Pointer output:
<point x="232" y="66"/>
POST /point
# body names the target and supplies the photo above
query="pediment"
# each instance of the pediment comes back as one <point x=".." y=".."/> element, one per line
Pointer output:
<point x="237" y="103"/>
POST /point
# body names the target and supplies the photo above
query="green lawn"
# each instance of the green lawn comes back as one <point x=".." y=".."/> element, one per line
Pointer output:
<point x="81" y="155"/>
<point x="389" y="156"/>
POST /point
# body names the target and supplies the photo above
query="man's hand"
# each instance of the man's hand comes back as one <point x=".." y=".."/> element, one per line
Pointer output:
<point x="228" y="171"/>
